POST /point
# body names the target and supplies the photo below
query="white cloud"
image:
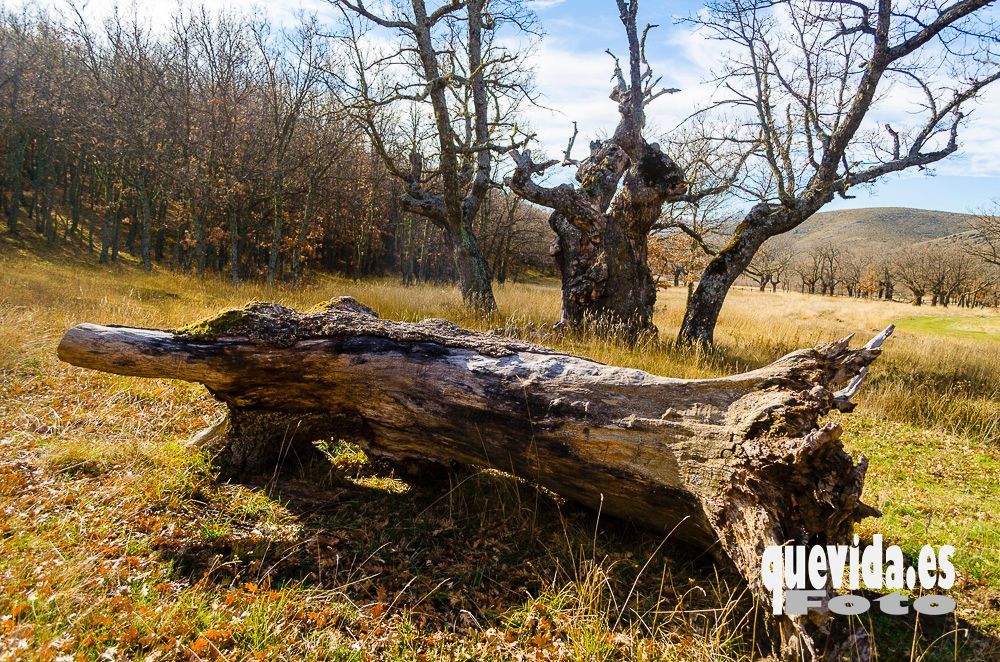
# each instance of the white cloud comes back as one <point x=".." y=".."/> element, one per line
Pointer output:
<point x="576" y="87"/>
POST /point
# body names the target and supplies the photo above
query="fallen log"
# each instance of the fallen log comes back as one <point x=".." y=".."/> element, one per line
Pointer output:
<point x="730" y="464"/>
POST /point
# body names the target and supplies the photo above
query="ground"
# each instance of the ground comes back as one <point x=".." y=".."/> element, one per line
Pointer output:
<point x="116" y="542"/>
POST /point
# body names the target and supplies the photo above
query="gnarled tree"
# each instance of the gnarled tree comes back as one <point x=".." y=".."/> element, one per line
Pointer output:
<point x="807" y="78"/>
<point x="603" y="223"/>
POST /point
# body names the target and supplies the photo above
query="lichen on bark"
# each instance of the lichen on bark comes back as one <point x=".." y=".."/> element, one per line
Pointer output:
<point x="212" y="328"/>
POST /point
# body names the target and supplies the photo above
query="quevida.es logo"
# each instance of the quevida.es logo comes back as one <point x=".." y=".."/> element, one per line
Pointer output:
<point x="798" y="577"/>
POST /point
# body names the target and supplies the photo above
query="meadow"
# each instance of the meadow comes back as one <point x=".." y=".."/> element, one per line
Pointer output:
<point x="116" y="542"/>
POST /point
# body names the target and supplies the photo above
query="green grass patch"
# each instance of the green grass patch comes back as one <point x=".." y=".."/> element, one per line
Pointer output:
<point x="966" y="327"/>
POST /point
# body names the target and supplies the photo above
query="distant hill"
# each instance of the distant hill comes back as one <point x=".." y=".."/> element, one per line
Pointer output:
<point x="891" y="227"/>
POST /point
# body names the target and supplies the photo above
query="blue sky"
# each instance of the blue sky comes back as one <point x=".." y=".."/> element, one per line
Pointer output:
<point x="573" y="76"/>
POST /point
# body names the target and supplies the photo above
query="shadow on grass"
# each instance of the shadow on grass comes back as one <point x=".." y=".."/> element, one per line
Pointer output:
<point x="479" y="550"/>
<point x="473" y="551"/>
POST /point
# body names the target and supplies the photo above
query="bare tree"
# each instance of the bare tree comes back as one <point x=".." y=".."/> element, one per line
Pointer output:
<point x="291" y="74"/>
<point x="886" y="278"/>
<point x="515" y="235"/>
<point x="985" y="243"/>
<point x="450" y="59"/>
<point x="830" y="257"/>
<point x="711" y="165"/>
<point x="675" y="256"/>
<point x="853" y="267"/>
<point x="603" y="222"/>
<point x="933" y="268"/>
<point x="909" y="271"/>
<point x="806" y="267"/>
<point x="958" y="275"/>
<point x="769" y="265"/>
<point x="806" y="76"/>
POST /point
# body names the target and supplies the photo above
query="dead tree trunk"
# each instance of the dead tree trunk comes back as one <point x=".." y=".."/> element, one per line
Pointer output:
<point x="731" y="464"/>
<point x="603" y="224"/>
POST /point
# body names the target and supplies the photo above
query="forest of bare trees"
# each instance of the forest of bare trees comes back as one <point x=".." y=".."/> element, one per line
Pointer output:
<point x="944" y="272"/>
<point x="221" y="144"/>
<point x="941" y="272"/>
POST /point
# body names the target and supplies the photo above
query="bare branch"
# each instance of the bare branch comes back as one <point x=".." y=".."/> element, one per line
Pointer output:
<point x="569" y="148"/>
<point x="622" y="86"/>
<point x="946" y="19"/>
<point x="358" y="7"/>
<point x="699" y="240"/>
<point x="565" y="198"/>
<point x="895" y="140"/>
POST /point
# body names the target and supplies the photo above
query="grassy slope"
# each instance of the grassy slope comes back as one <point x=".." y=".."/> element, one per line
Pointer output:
<point x="878" y="226"/>
<point x="116" y="541"/>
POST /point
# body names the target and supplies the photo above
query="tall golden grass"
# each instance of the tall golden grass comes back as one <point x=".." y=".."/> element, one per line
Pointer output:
<point x="932" y="380"/>
<point x="101" y="497"/>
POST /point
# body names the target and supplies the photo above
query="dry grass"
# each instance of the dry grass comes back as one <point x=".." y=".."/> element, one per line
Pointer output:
<point x="115" y="540"/>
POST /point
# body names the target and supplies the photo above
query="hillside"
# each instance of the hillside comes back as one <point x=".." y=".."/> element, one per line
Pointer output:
<point x="875" y="226"/>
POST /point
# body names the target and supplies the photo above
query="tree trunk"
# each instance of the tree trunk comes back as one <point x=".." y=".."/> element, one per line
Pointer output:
<point x="133" y="229"/>
<point x="200" y="236"/>
<point x="705" y="304"/>
<point x="300" y="238"/>
<point x="760" y="224"/>
<point x="277" y="211"/>
<point x="606" y="280"/>
<point x="603" y="225"/>
<point x="116" y="230"/>
<point x="76" y="193"/>
<point x="160" y="244"/>
<point x="14" y="178"/>
<point x="234" y="247"/>
<point x="49" y="200"/>
<point x="504" y="259"/>
<point x="474" y="277"/>
<point x="146" y="238"/>
<point x="730" y="465"/>
<point x="106" y="236"/>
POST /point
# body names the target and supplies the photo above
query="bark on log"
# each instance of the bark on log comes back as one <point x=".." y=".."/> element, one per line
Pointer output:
<point x="731" y="464"/>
